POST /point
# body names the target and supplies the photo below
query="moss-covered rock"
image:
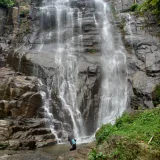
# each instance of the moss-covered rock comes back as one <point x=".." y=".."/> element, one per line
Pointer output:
<point x="156" y="95"/>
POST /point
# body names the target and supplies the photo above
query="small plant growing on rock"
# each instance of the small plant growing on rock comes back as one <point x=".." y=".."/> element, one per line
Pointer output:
<point x="134" y="7"/>
<point x="3" y="146"/>
<point x="92" y="51"/>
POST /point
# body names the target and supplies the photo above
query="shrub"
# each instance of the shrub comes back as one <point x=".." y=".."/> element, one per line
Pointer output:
<point x="104" y="132"/>
<point x="94" y="155"/>
<point x="134" y="7"/>
<point x="7" y="3"/>
<point x="152" y="7"/>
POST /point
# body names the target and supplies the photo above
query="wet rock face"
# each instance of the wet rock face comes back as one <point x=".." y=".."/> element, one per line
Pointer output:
<point x="88" y="93"/>
<point x="19" y="94"/>
<point x="124" y="5"/>
<point x="2" y="28"/>
<point x="28" y="60"/>
<point x="2" y="20"/>
<point x="5" y="130"/>
<point x="143" y="58"/>
<point x="20" y="104"/>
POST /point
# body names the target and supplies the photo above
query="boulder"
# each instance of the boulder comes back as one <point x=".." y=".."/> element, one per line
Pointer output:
<point x="15" y="86"/>
<point x="41" y="138"/>
<point x="28" y="144"/>
<point x="34" y="103"/>
<point x="48" y="142"/>
<point x="62" y="134"/>
<point x="14" y="144"/>
<point x="27" y="105"/>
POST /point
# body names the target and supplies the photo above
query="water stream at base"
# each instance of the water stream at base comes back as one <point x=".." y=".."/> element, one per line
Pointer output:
<point x="61" y="40"/>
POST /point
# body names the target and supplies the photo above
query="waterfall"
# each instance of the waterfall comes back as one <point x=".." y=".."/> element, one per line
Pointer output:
<point x="65" y="39"/>
<point x="65" y="59"/>
<point x="114" y="70"/>
<point x="130" y="24"/>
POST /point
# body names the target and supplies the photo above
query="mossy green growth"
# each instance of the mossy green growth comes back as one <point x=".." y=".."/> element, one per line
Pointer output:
<point x="139" y="127"/>
<point x="3" y="146"/>
<point x="152" y="7"/>
<point x="7" y="3"/>
<point x="134" y="7"/>
<point x="156" y="95"/>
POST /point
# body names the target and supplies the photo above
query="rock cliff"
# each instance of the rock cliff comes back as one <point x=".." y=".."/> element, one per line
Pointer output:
<point x="23" y="122"/>
<point x="140" y="36"/>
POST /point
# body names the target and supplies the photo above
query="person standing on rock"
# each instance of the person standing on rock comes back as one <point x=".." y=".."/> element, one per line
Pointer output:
<point x="72" y="142"/>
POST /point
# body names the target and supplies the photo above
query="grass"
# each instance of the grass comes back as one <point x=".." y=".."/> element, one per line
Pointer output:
<point x="136" y="127"/>
<point x="133" y="136"/>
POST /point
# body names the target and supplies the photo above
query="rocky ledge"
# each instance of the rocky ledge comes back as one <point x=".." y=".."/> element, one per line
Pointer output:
<point x="57" y="152"/>
<point x="22" y="116"/>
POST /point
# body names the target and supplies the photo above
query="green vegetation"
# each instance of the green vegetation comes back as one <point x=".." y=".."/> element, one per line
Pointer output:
<point x="148" y="7"/>
<point x="151" y="6"/>
<point x="3" y="146"/>
<point x="7" y="3"/>
<point x="139" y="127"/>
<point x="156" y="95"/>
<point x="134" y="7"/>
<point x="92" y="51"/>
<point x="94" y="155"/>
<point x="133" y="135"/>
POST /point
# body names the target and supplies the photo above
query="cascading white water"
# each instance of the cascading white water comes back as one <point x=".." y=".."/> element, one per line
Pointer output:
<point x="129" y="25"/>
<point x="114" y="83"/>
<point x="58" y="37"/>
<point x="65" y="58"/>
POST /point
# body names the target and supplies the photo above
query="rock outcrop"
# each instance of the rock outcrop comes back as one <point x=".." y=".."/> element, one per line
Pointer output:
<point x="27" y="57"/>
<point x="143" y="58"/>
<point x="25" y="121"/>
<point x="21" y="103"/>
